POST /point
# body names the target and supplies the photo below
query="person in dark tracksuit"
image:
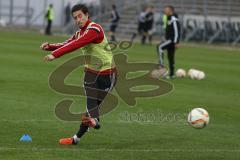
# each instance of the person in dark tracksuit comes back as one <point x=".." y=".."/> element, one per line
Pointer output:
<point x="172" y="36"/>
<point x="150" y="22"/>
<point x="114" y="23"/>
<point x="142" y="27"/>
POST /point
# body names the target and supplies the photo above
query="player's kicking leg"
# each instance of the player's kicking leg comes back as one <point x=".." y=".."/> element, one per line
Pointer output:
<point x="96" y="87"/>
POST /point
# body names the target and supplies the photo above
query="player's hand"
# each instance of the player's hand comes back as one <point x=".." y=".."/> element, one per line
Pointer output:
<point x="49" y="57"/>
<point x="45" y="46"/>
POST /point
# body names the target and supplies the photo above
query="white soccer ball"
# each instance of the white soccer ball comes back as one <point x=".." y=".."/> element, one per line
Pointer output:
<point x="180" y="73"/>
<point x="198" y="118"/>
<point x="201" y="75"/>
<point x="159" y="73"/>
<point x="196" y="74"/>
<point x="190" y="72"/>
<point x="193" y="74"/>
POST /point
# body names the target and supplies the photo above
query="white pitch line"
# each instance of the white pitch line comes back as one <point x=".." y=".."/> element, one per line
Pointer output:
<point x="27" y="120"/>
<point x="116" y="150"/>
<point x="104" y="122"/>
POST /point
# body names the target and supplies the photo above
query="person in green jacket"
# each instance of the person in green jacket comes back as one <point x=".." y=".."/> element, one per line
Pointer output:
<point x="164" y="20"/>
<point x="49" y="16"/>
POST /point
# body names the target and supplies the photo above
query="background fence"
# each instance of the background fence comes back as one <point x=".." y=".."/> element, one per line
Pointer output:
<point x="202" y="20"/>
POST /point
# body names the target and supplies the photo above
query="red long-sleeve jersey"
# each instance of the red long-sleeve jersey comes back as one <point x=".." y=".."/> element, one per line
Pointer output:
<point x="88" y="34"/>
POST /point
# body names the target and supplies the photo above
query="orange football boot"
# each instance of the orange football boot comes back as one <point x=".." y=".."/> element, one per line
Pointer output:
<point x="66" y="141"/>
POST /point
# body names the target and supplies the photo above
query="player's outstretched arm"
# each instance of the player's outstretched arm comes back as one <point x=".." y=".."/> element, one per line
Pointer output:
<point x="89" y="37"/>
<point x="52" y="47"/>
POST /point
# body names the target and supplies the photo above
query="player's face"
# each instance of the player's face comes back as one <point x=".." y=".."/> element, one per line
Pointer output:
<point x="80" y="18"/>
<point x="167" y="11"/>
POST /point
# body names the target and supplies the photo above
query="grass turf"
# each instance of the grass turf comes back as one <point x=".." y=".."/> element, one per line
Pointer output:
<point x="27" y="106"/>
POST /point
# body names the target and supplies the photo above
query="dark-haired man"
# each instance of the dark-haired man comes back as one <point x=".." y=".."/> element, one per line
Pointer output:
<point x="100" y="76"/>
<point x="150" y="22"/>
<point x="172" y="36"/>
<point x="114" y="22"/>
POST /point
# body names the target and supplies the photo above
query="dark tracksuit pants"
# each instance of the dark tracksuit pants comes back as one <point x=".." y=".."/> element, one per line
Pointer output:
<point x="170" y="47"/>
<point x="48" y="27"/>
<point x="96" y="88"/>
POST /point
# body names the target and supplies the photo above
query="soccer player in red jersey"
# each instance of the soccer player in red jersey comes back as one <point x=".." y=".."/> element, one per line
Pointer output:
<point x="99" y="78"/>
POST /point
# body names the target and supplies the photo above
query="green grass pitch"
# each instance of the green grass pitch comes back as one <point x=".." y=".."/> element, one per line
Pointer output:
<point x="27" y="106"/>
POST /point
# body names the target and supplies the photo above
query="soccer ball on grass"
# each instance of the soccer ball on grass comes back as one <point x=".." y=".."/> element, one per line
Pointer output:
<point x="198" y="118"/>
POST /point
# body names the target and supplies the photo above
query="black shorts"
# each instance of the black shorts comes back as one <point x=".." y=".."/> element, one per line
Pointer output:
<point x="113" y="27"/>
<point x="149" y="26"/>
<point x="142" y="28"/>
<point x="96" y="89"/>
